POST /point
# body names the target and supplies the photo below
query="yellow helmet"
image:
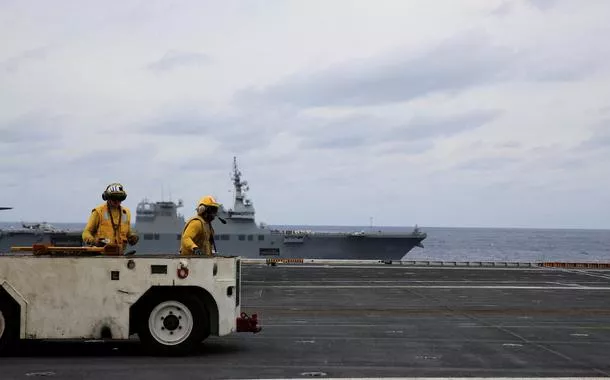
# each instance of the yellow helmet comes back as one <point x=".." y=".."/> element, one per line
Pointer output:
<point x="208" y="201"/>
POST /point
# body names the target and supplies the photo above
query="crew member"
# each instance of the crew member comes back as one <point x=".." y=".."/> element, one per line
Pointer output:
<point x="198" y="234"/>
<point x="110" y="223"/>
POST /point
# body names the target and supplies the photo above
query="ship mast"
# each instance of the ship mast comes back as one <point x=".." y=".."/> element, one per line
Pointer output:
<point x="242" y="207"/>
<point x="239" y="185"/>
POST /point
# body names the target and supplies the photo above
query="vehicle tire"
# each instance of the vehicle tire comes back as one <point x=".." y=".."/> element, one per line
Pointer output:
<point x="9" y="326"/>
<point x="208" y="327"/>
<point x="173" y="324"/>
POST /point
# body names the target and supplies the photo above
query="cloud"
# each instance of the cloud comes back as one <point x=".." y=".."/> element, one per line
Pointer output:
<point x="508" y="7"/>
<point x="504" y="9"/>
<point x="600" y="138"/>
<point x="111" y="157"/>
<point x="359" y="130"/>
<point x="604" y="110"/>
<point x="487" y="164"/>
<point x="509" y="145"/>
<point x="455" y="64"/>
<point x="173" y="59"/>
<point x="433" y="127"/>
<point x="544" y="5"/>
<point x="188" y="123"/>
<point x="417" y="147"/>
<point x="234" y="132"/>
<point x="488" y="113"/>
<point x="30" y="128"/>
<point x="349" y="132"/>
<point x="13" y="64"/>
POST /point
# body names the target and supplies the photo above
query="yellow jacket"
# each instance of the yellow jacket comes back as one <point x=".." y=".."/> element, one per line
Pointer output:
<point x="100" y="225"/>
<point x="197" y="235"/>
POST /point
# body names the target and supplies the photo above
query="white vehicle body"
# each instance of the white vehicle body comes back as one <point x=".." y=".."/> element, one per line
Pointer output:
<point x="171" y="302"/>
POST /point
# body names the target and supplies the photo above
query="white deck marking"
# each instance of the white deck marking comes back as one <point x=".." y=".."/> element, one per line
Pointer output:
<point x="515" y="287"/>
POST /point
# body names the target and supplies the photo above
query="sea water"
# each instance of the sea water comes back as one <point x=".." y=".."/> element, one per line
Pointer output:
<point x="482" y="244"/>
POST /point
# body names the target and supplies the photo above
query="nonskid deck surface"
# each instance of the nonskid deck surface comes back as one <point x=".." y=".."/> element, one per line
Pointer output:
<point x="380" y="321"/>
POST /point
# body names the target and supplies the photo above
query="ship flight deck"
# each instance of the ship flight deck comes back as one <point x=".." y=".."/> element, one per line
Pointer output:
<point x="332" y="320"/>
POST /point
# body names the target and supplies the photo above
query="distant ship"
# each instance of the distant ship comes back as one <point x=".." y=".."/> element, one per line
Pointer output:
<point x="29" y="234"/>
<point x="236" y="233"/>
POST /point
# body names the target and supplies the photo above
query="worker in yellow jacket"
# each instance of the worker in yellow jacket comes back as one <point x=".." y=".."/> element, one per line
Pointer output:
<point x="110" y="223"/>
<point x="198" y="234"/>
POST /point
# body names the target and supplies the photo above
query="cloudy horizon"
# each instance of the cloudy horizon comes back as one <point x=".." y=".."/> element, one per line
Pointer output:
<point x="475" y="113"/>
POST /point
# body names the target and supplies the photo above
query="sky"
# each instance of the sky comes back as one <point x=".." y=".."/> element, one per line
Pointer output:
<point x="470" y="113"/>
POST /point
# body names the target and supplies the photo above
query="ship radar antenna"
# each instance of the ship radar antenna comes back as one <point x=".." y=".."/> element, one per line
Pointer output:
<point x="236" y="177"/>
<point x="240" y="187"/>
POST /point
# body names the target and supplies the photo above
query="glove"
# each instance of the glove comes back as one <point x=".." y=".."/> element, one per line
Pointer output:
<point x="100" y="242"/>
<point x="133" y="239"/>
<point x="197" y="251"/>
<point x="89" y="241"/>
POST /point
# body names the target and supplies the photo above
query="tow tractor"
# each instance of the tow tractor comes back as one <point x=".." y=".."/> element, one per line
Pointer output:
<point x="172" y="303"/>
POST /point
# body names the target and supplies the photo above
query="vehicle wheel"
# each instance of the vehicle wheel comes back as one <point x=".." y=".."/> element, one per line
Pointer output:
<point x="9" y="327"/>
<point x="208" y="326"/>
<point x="173" y="324"/>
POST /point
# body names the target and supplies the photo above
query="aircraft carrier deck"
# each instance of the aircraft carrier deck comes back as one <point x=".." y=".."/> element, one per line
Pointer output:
<point x="377" y="321"/>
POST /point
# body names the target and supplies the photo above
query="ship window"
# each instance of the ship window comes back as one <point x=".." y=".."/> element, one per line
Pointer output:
<point x="156" y="236"/>
<point x="261" y="237"/>
<point x="224" y="237"/>
<point x="178" y="236"/>
<point x="148" y="236"/>
<point x="250" y="237"/>
<point x="216" y="237"/>
<point x="242" y="237"/>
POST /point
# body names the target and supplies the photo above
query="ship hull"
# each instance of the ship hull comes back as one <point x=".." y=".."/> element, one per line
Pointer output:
<point x="311" y="247"/>
<point x="351" y="247"/>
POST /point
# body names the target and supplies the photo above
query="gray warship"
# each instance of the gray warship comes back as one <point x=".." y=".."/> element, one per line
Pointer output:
<point x="236" y="232"/>
<point x="29" y="234"/>
<point x="160" y="225"/>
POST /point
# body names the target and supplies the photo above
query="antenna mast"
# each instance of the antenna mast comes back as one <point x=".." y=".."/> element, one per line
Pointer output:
<point x="238" y="185"/>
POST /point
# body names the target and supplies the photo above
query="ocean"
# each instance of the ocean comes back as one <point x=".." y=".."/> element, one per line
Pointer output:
<point x="482" y="244"/>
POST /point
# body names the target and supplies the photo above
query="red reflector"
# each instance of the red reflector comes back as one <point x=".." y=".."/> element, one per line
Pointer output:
<point x="183" y="272"/>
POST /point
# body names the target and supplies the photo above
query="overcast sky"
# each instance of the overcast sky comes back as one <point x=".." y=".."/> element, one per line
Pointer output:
<point x="441" y="113"/>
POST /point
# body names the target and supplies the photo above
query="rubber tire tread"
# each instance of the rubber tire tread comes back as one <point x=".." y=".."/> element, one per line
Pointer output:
<point x="206" y="329"/>
<point x="10" y="337"/>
